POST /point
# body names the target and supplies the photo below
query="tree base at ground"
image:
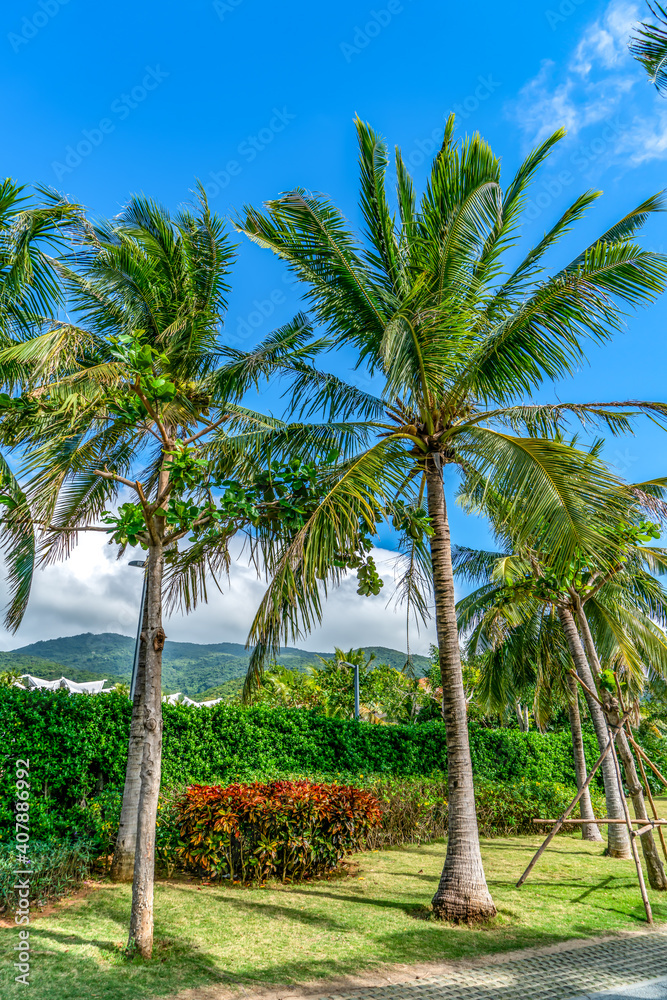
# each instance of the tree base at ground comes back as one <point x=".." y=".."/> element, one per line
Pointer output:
<point x="122" y="867"/>
<point x="471" y="904"/>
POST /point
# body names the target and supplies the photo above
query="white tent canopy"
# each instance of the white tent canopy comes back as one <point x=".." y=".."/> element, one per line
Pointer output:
<point x="178" y="698"/>
<point x="97" y="687"/>
<point x="88" y="687"/>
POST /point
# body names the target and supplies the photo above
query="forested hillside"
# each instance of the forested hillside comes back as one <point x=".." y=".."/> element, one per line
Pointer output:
<point x="190" y="667"/>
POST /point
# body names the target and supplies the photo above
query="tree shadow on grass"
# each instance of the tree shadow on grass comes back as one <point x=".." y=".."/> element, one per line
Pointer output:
<point x="432" y="847"/>
<point x="421" y="877"/>
<point x="380" y="903"/>
<point x="275" y="910"/>
<point x="551" y="890"/>
<point x="176" y="965"/>
<point x="620" y="882"/>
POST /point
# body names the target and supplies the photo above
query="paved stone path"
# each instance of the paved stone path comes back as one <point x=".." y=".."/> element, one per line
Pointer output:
<point x="654" y="990"/>
<point x="617" y="966"/>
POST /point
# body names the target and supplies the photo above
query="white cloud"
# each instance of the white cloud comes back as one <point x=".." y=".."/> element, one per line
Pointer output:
<point x="645" y="140"/>
<point x="591" y="87"/>
<point x="544" y="108"/>
<point x="95" y="592"/>
<point x="605" y="42"/>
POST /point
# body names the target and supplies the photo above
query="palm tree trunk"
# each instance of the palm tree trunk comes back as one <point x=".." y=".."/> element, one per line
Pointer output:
<point x="522" y="716"/>
<point x="656" y="872"/>
<point x="122" y="866"/>
<point x="462" y="894"/>
<point x="589" y="831"/>
<point x="617" y="835"/>
<point x="141" y="919"/>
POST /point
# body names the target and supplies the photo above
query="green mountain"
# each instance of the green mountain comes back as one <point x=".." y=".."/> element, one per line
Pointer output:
<point x="190" y="667"/>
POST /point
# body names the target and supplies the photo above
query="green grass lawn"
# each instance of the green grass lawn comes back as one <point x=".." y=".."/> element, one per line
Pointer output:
<point x="281" y="934"/>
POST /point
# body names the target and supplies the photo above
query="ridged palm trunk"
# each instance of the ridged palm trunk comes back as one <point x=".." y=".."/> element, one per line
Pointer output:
<point x="122" y="866"/>
<point x="589" y="831"/>
<point x="462" y="894"/>
<point x="141" y="919"/>
<point x="617" y="835"/>
<point x="654" y="867"/>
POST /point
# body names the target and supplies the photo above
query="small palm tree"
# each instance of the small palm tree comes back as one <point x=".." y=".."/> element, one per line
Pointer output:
<point x="432" y="308"/>
<point x="610" y="608"/>
<point x="649" y="46"/>
<point x="523" y="655"/>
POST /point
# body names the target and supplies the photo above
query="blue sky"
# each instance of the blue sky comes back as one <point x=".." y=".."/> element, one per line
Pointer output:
<point x="254" y="98"/>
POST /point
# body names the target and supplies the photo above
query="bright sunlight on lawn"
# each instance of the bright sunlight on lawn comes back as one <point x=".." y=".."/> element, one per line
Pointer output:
<point x="283" y="934"/>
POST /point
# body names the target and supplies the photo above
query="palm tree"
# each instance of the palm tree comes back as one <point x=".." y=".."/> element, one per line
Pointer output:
<point x="139" y="399"/>
<point x="624" y="602"/>
<point x="455" y="339"/>
<point x="649" y="46"/>
<point x="523" y="654"/>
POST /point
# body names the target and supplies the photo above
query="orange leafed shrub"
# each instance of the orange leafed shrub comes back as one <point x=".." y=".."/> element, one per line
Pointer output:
<point x="291" y="830"/>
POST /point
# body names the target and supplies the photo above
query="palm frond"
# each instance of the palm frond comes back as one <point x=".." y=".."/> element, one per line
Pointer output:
<point x="17" y="546"/>
<point x="649" y="46"/>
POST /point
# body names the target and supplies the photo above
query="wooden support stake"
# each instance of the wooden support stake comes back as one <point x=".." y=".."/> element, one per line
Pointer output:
<point x="606" y="821"/>
<point x="633" y="835"/>
<point x="650" y="763"/>
<point x="586" y="688"/>
<point x="570" y="808"/>
<point x="613" y="733"/>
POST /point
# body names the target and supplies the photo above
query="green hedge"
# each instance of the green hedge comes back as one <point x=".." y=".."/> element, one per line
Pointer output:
<point x="77" y="746"/>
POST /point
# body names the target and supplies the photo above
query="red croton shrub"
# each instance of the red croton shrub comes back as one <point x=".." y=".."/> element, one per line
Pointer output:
<point x="286" y="829"/>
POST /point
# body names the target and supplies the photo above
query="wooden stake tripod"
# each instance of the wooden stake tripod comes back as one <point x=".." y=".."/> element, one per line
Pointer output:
<point x="645" y="825"/>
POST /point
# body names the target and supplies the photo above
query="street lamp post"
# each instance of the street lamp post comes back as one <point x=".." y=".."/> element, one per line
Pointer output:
<point x="355" y="667"/>
<point x="137" y="645"/>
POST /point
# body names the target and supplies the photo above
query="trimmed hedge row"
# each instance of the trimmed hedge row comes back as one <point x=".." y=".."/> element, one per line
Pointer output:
<point x="77" y="746"/>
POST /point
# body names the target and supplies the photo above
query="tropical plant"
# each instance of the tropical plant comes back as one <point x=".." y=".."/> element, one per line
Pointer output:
<point x="282" y="687"/>
<point x="523" y="654"/>
<point x="513" y="615"/>
<point x="130" y="425"/>
<point x="453" y="335"/>
<point x="292" y="830"/>
<point x="649" y="46"/>
<point x="386" y="694"/>
<point x="11" y="677"/>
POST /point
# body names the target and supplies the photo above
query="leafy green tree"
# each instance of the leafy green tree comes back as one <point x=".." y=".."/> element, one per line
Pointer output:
<point x="289" y="688"/>
<point x="130" y="425"/>
<point x="386" y="694"/>
<point x="8" y="678"/>
<point x="454" y="331"/>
